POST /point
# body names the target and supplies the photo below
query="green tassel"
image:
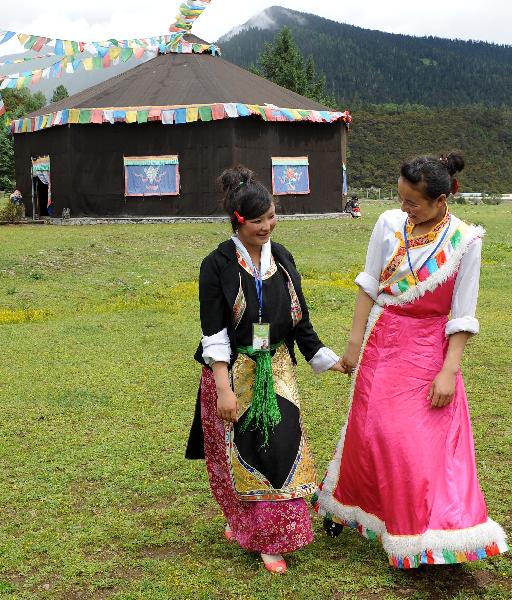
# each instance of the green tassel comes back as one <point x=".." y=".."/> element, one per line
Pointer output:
<point x="264" y="410"/>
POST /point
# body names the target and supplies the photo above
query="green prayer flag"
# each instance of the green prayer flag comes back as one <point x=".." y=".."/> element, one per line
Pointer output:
<point x="126" y="54"/>
<point x="205" y="113"/>
<point x="142" y="116"/>
<point x="85" y="116"/>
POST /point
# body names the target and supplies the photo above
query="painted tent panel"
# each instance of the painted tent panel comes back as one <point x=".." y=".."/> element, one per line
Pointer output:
<point x="290" y="175"/>
<point x="151" y="176"/>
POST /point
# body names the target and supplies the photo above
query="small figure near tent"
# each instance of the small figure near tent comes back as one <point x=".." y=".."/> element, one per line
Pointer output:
<point x="16" y="197"/>
<point x="352" y="207"/>
<point x="16" y="200"/>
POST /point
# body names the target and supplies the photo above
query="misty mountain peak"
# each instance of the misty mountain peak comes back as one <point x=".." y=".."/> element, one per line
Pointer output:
<point x="271" y="19"/>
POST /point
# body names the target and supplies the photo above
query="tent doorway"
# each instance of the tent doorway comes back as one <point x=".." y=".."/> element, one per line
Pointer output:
<point x="41" y="188"/>
<point x="40" y="198"/>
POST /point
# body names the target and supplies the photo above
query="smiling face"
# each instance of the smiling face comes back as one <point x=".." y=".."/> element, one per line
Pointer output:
<point x="417" y="206"/>
<point x="256" y="232"/>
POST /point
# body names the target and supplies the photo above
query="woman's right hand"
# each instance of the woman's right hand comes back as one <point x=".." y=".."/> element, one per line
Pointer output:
<point x="227" y="405"/>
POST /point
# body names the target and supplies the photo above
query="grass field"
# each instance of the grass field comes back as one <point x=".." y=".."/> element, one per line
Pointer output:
<point x="98" y="325"/>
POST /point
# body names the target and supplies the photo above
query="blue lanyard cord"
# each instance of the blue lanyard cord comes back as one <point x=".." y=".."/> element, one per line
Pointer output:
<point x="431" y="254"/>
<point x="259" y="291"/>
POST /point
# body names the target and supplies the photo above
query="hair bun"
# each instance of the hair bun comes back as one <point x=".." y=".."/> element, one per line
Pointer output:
<point x="454" y="162"/>
<point x="231" y="179"/>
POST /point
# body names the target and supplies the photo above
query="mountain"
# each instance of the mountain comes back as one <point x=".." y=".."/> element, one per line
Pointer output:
<point x="363" y="66"/>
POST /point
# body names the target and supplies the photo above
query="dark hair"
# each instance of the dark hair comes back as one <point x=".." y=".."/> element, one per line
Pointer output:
<point x="436" y="171"/>
<point x="243" y="194"/>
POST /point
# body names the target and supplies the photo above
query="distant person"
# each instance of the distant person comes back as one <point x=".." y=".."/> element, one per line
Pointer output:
<point x="17" y="200"/>
<point x="16" y="197"/>
<point x="404" y="470"/>
<point x="248" y="423"/>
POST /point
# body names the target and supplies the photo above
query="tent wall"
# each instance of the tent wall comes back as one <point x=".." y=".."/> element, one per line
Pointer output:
<point x="54" y="142"/>
<point x="88" y="176"/>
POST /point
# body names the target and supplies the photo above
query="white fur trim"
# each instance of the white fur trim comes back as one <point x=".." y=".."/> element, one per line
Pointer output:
<point x="440" y="276"/>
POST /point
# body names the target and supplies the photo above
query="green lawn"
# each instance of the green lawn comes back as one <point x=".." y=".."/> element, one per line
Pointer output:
<point x="98" y="325"/>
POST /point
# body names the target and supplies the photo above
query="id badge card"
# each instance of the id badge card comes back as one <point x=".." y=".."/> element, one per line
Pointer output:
<point x="261" y="336"/>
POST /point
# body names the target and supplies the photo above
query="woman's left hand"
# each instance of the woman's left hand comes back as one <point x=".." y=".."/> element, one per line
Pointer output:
<point x="338" y="367"/>
<point x="442" y="389"/>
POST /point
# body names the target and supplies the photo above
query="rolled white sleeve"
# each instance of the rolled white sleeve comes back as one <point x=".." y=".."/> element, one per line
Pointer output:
<point x="323" y="360"/>
<point x="216" y="348"/>
<point x="465" y="292"/>
<point x="368" y="280"/>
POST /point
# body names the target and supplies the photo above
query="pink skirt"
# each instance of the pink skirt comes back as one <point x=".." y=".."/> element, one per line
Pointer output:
<point x="404" y="473"/>
<point x="259" y="526"/>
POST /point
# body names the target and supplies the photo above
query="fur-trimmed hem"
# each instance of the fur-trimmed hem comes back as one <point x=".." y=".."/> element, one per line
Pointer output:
<point x="437" y="278"/>
<point x="430" y="547"/>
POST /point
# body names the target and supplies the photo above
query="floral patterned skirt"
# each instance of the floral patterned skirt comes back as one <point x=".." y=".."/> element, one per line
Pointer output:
<point x="272" y="527"/>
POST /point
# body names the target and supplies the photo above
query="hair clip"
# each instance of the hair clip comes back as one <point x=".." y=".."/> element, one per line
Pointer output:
<point x="239" y="217"/>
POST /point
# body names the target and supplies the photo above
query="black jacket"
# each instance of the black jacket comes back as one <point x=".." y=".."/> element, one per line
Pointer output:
<point x="218" y="288"/>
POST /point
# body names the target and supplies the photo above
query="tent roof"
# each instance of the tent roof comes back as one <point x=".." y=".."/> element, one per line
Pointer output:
<point x="183" y="80"/>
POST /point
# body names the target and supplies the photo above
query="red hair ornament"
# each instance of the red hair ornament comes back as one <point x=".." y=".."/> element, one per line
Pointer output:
<point x="455" y="186"/>
<point x="239" y="217"/>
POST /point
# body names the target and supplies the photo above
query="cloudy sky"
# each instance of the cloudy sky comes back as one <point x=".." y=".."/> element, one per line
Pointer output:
<point x="487" y="20"/>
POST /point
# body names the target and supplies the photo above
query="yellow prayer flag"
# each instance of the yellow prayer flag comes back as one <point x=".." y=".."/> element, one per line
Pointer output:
<point x="87" y="62"/>
<point x="131" y="116"/>
<point x="23" y="37"/>
<point x="192" y="114"/>
<point x="74" y="115"/>
<point x="296" y="114"/>
<point x="68" y="48"/>
<point x="44" y="122"/>
<point x="114" y="52"/>
<point x="20" y="83"/>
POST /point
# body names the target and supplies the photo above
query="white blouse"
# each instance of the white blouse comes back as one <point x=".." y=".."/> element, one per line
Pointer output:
<point x="386" y="243"/>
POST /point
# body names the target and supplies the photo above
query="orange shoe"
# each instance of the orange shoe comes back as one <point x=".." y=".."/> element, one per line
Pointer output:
<point x="274" y="563"/>
<point x="228" y="534"/>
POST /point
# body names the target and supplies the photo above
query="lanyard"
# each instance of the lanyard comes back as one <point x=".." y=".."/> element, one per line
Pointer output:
<point x="431" y="254"/>
<point x="259" y="291"/>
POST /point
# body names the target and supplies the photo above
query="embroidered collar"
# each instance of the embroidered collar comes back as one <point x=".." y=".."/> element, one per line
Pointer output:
<point x="433" y="233"/>
<point x="265" y="259"/>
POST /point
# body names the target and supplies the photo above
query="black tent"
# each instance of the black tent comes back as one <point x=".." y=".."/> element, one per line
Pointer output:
<point x="195" y="113"/>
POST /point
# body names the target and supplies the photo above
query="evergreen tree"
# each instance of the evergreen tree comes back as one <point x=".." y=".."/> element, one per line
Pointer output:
<point x="282" y="63"/>
<point x="59" y="93"/>
<point x="17" y="103"/>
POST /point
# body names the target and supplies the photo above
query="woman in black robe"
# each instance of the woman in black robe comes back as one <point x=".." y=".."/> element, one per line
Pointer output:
<point x="248" y="423"/>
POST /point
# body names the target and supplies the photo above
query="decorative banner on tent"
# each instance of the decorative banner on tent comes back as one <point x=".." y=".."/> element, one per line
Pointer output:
<point x="26" y="59"/>
<point x="151" y="176"/>
<point x="344" y="190"/>
<point x="41" y="170"/>
<point x="173" y="115"/>
<point x="290" y="175"/>
<point x="188" y="14"/>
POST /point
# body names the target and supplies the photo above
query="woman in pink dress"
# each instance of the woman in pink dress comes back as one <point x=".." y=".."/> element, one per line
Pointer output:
<point x="404" y="469"/>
